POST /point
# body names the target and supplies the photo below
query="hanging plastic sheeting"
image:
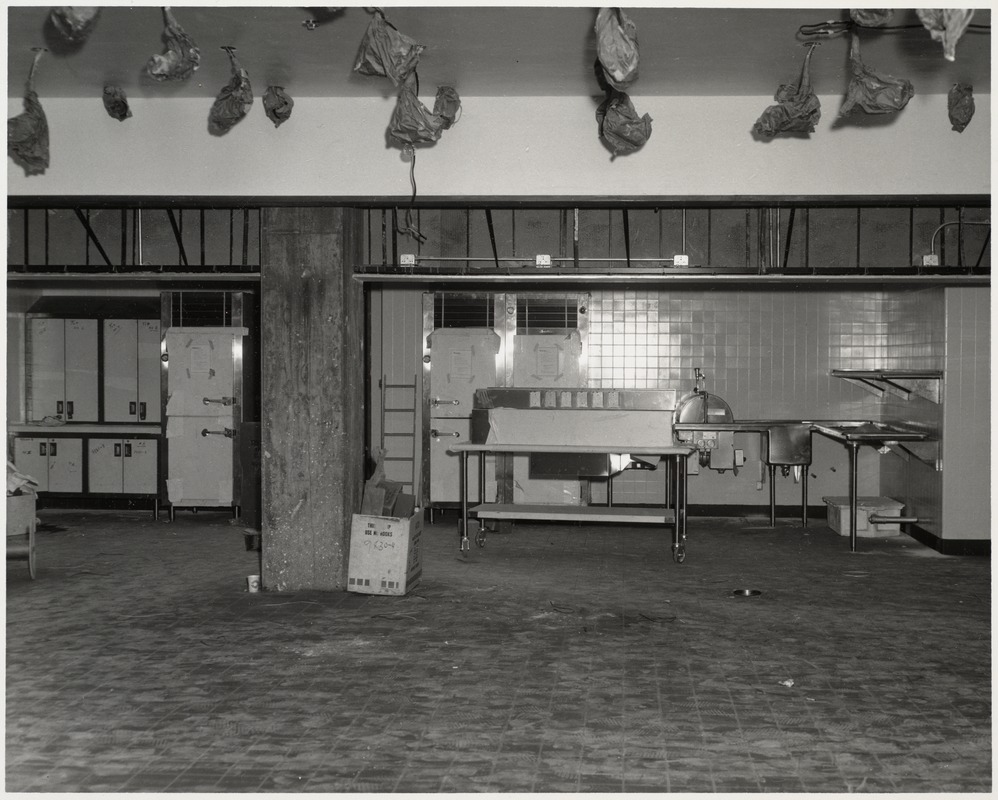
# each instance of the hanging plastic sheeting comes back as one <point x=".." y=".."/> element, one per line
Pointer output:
<point x="277" y="105"/>
<point x="413" y="123"/>
<point x="798" y="108"/>
<point x="74" y="23"/>
<point x="385" y="51"/>
<point x="960" y="103"/>
<point x="447" y="106"/>
<point x="115" y="103"/>
<point x="872" y="17"/>
<point x="946" y="25"/>
<point x="182" y="56"/>
<point x="620" y="127"/>
<point x="617" y="47"/>
<point x="28" y="132"/>
<point x="870" y="92"/>
<point x="233" y="102"/>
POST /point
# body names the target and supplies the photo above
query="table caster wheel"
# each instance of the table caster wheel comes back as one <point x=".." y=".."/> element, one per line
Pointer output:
<point x="679" y="555"/>
<point x="480" y="539"/>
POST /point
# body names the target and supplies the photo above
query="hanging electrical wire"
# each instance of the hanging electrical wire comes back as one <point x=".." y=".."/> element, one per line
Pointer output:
<point x="409" y="229"/>
<point x="872" y="18"/>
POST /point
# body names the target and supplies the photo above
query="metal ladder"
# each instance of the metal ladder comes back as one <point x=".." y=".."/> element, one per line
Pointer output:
<point x="399" y="443"/>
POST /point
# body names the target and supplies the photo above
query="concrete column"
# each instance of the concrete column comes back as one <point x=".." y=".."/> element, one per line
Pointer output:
<point x="312" y="395"/>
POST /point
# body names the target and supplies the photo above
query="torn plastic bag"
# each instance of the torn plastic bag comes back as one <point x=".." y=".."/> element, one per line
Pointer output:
<point x="447" y="106"/>
<point x="960" y="102"/>
<point x="617" y="47"/>
<point x="277" y="105"/>
<point x="946" y="25"/>
<point x="870" y="92"/>
<point x="620" y="127"/>
<point x="798" y="108"/>
<point x="28" y="132"/>
<point x="385" y="51"/>
<point x="872" y="17"/>
<point x="412" y="122"/>
<point x="233" y="102"/>
<point x="74" y="23"/>
<point x="182" y="56"/>
<point x="115" y="103"/>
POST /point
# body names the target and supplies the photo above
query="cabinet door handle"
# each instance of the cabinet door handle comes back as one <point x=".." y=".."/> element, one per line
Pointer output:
<point x="69" y="409"/>
<point x="117" y="450"/>
<point x="52" y="451"/>
<point x="142" y="410"/>
<point x="128" y="449"/>
<point x="131" y="408"/>
<point x="58" y="407"/>
<point x="43" y="449"/>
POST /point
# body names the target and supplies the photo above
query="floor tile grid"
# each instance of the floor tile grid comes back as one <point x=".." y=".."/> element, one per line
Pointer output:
<point x="704" y="616"/>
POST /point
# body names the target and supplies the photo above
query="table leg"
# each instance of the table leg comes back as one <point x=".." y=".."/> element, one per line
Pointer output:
<point x="803" y="494"/>
<point x="679" y="510"/>
<point x="853" y="500"/>
<point x="462" y="522"/>
<point x="772" y="495"/>
<point x="480" y="538"/>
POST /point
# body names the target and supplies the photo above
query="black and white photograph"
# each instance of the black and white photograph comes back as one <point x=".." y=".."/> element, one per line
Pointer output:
<point x="506" y="399"/>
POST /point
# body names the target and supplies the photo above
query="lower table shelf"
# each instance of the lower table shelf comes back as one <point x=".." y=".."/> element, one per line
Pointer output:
<point x="567" y="513"/>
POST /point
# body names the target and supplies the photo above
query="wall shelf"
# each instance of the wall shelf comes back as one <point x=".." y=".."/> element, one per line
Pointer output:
<point x="925" y="383"/>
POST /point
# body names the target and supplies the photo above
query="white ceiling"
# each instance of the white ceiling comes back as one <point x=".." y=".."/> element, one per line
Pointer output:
<point x="483" y="51"/>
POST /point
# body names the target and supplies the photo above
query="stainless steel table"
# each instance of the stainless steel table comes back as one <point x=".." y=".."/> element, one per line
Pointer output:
<point x="673" y="512"/>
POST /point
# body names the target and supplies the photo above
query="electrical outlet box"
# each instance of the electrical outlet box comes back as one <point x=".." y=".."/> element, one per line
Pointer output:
<point x="543" y="261"/>
<point x="681" y="261"/>
<point x="407" y="260"/>
<point x="930" y="260"/>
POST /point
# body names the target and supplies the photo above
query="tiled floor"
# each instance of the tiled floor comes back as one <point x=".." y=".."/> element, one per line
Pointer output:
<point x="559" y="658"/>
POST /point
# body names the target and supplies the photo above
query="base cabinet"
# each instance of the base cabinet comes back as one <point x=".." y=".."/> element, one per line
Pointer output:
<point x="122" y="466"/>
<point x="55" y="463"/>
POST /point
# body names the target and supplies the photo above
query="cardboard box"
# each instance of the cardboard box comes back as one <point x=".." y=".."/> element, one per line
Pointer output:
<point x="385" y="554"/>
<point x="838" y="515"/>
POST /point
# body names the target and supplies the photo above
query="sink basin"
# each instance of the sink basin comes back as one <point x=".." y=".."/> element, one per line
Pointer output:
<point x="788" y="442"/>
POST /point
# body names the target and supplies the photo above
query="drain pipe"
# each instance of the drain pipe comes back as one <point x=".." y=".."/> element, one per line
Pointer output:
<point x="878" y="519"/>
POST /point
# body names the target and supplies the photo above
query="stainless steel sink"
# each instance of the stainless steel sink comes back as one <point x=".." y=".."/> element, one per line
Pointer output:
<point x="868" y="432"/>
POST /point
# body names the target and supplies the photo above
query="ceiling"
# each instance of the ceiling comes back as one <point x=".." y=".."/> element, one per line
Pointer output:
<point x="483" y="51"/>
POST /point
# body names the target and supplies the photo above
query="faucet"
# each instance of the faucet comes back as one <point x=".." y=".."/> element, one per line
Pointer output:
<point x="699" y="387"/>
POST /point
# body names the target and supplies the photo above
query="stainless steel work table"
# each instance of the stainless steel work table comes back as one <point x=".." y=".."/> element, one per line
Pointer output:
<point x="673" y="512"/>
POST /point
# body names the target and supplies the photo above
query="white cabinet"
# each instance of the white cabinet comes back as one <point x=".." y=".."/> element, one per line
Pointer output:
<point x="56" y="463"/>
<point x="131" y="370"/>
<point x="62" y="369"/>
<point x="122" y="466"/>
